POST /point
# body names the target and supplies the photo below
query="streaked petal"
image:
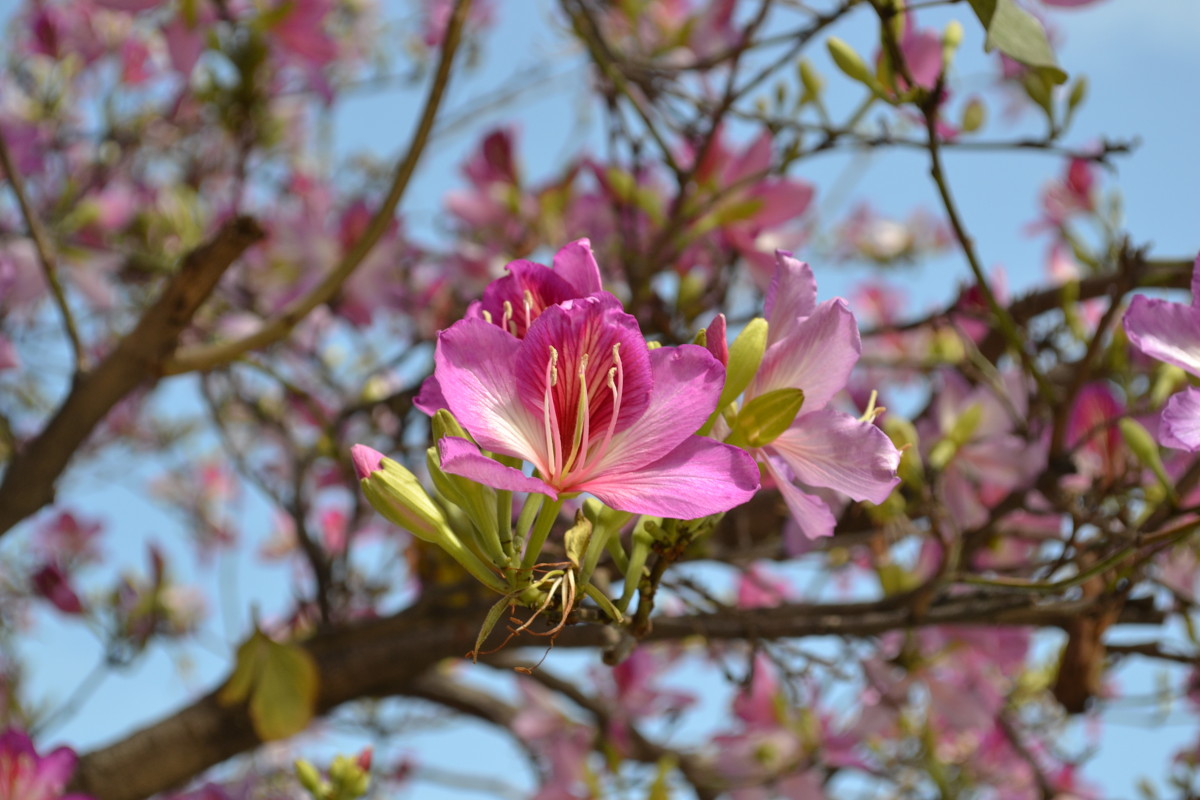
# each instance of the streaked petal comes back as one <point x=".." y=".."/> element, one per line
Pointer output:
<point x="475" y="369"/>
<point x="791" y="296"/>
<point x="687" y="382"/>
<point x="576" y="264"/>
<point x="816" y="356"/>
<point x="1180" y="426"/>
<point x="833" y="450"/>
<point x="697" y="478"/>
<point x="584" y="331"/>
<point x="460" y="457"/>
<point x="1167" y="331"/>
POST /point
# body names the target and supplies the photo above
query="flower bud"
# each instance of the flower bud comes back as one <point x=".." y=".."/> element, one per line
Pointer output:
<point x="396" y="493"/>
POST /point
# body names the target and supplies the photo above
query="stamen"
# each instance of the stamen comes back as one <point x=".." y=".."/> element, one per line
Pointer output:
<point x="487" y="316"/>
<point x="528" y="297"/>
<point x="616" y="384"/>
<point x="507" y="322"/>
<point x="550" y="418"/>
<point x="583" y="413"/>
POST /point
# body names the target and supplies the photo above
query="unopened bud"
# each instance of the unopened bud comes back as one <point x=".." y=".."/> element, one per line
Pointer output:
<point x="309" y="777"/>
<point x="396" y="494"/>
<point x="849" y="62"/>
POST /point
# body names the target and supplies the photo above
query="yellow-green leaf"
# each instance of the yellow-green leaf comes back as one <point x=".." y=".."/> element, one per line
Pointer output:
<point x="279" y="680"/>
<point x="1019" y="35"/>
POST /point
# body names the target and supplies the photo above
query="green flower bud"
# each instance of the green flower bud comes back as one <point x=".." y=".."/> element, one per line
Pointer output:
<point x="396" y="493"/>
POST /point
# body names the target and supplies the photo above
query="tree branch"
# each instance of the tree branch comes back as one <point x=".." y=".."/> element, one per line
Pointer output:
<point x="210" y="356"/>
<point x="389" y="657"/>
<point x="137" y="359"/>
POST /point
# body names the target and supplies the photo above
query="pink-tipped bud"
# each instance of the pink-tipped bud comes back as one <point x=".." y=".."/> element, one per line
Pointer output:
<point x="364" y="759"/>
<point x="366" y="460"/>
<point x="715" y="340"/>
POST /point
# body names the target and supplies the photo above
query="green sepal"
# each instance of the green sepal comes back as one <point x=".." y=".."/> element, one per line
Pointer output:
<point x="763" y="419"/>
<point x="745" y="356"/>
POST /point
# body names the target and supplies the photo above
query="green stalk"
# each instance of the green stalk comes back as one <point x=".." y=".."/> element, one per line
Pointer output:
<point x="545" y="521"/>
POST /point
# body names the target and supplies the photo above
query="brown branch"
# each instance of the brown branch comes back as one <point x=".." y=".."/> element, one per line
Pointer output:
<point x="209" y="356"/>
<point x="45" y="252"/>
<point x="389" y="657"/>
<point x="137" y="360"/>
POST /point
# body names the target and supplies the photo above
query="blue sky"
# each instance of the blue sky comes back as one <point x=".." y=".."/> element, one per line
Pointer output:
<point x="1141" y="62"/>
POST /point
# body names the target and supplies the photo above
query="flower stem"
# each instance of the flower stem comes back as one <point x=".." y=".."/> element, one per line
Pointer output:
<point x="545" y="521"/>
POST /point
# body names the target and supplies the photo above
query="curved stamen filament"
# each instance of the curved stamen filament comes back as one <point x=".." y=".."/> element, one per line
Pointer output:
<point x="507" y="322"/>
<point x="616" y="385"/>
<point x="550" y="417"/>
<point x="528" y="298"/>
<point x="583" y="413"/>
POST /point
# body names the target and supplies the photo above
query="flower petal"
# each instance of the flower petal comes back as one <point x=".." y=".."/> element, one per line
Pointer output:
<point x="475" y="369"/>
<point x="810" y="513"/>
<point x="791" y="297"/>
<point x="687" y="381"/>
<point x="460" y="457"/>
<point x="430" y="399"/>
<point x="584" y="332"/>
<point x="695" y="479"/>
<point x="816" y="356"/>
<point x="515" y="300"/>
<point x="576" y="264"/>
<point x="1180" y="426"/>
<point x="1164" y="330"/>
<point x="833" y="450"/>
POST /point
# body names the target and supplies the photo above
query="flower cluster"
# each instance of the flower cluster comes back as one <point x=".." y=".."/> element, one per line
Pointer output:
<point x="548" y="387"/>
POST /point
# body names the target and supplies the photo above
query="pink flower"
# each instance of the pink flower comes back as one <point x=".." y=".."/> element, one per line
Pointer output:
<point x="52" y="583"/>
<point x="585" y="401"/>
<point x="1170" y="332"/>
<point x="813" y="348"/>
<point x="24" y="775"/>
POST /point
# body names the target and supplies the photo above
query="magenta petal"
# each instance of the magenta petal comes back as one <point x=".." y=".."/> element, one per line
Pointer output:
<point x="687" y="384"/>
<point x="833" y="450"/>
<point x="1167" y="331"/>
<point x="430" y="399"/>
<point x="517" y="299"/>
<point x="810" y="513"/>
<point x="576" y="264"/>
<point x="791" y="297"/>
<point x="460" y="457"/>
<point x="475" y="370"/>
<point x="816" y="356"/>
<point x="1180" y="426"/>
<point x="782" y="201"/>
<point x="697" y="478"/>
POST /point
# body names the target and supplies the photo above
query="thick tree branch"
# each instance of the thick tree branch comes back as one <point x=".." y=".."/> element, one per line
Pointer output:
<point x="137" y="359"/>
<point x="389" y="657"/>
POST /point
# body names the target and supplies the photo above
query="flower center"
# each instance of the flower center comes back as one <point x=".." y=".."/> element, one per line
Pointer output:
<point x="569" y="409"/>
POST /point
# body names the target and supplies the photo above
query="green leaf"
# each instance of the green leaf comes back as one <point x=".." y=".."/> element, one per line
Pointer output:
<point x="279" y="680"/>
<point x="763" y="419"/>
<point x="1019" y="35"/>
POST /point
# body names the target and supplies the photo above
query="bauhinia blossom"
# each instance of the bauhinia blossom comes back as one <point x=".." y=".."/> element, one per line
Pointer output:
<point x="25" y="775"/>
<point x="1170" y="332"/>
<point x="584" y="400"/>
<point x="813" y="348"/>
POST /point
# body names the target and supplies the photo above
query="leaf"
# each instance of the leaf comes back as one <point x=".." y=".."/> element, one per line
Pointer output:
<point x="279" y="680"/>
<point x="1019" y="35"/>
